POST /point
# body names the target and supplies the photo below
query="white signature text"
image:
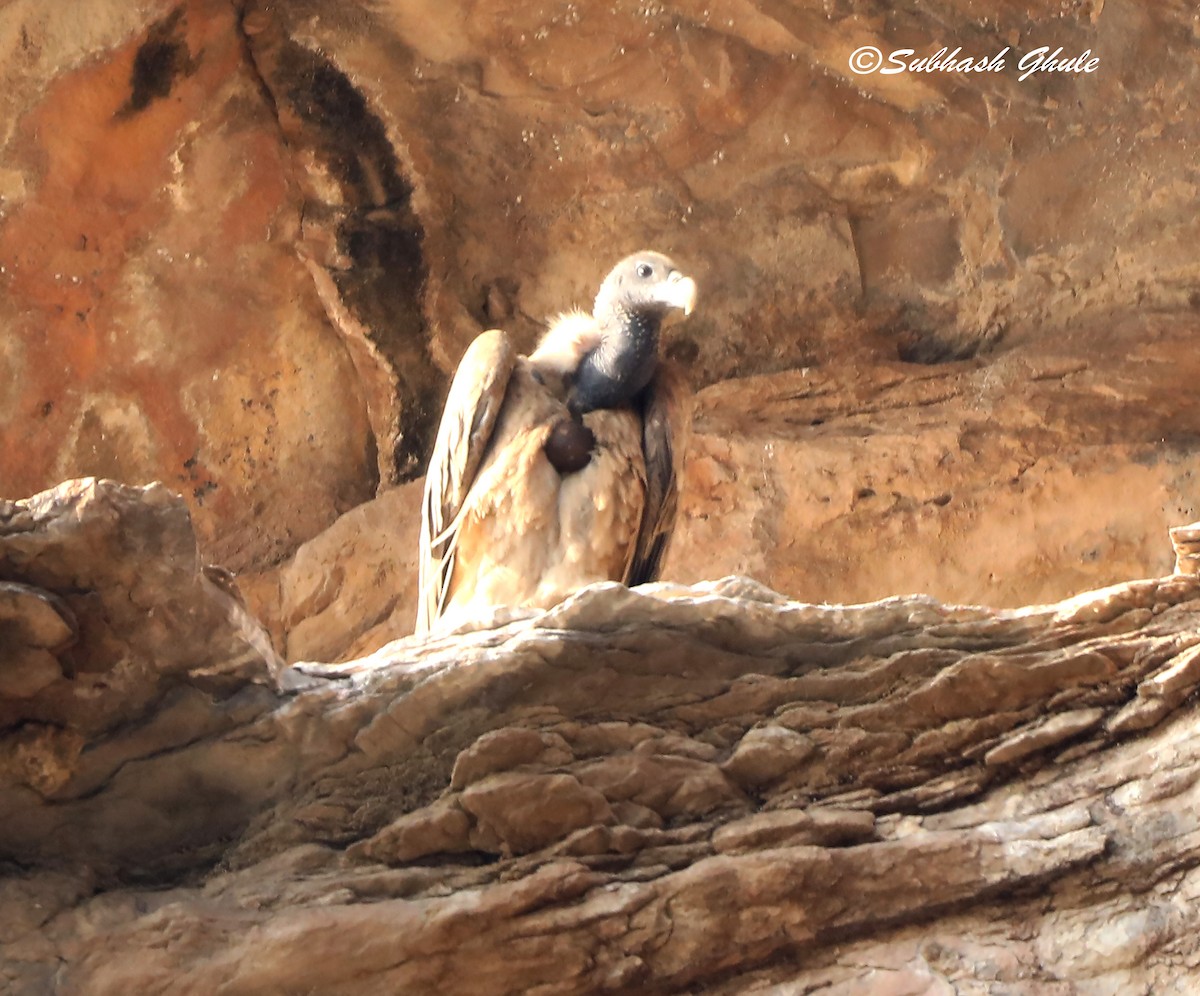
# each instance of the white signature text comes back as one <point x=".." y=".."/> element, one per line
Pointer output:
<point x="869" y="59"/>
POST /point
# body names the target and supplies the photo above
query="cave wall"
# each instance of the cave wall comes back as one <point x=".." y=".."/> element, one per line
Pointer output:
<point x="945" y="325"/>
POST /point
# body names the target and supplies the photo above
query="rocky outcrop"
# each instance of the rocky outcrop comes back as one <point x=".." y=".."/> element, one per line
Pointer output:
<point x="945" y="344"/>
<point x="708" y="788"/>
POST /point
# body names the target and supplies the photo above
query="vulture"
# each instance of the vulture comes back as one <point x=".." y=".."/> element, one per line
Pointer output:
<point x="558" y="469"/>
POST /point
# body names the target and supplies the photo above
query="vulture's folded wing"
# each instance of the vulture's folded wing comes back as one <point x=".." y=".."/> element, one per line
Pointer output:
<point x="474" y="402"/>
<point x="667" y="423"/>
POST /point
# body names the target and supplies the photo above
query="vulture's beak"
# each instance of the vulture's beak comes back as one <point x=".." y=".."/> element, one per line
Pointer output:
<point x="679" y="292"/>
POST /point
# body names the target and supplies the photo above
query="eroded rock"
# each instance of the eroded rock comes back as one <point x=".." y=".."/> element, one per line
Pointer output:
<point x="105" y="609"/>
<point x="766" y="754"/>
<point x="442" y="828"/>
<point x="524" y="812"/>
<point x="793" y="827"/>
<point x="508" y="748"/>
<point x="671" y="787"/>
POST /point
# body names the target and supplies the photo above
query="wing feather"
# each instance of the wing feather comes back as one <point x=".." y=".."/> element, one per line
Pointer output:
<point x="472" y="406"/>
<point x="666" y="426"/>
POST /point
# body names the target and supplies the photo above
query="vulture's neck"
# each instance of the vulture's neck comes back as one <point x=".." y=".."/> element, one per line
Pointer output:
<point x="614" y="372"/>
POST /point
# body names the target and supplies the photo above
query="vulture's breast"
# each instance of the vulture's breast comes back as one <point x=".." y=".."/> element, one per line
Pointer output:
<point x="530" y="536"/>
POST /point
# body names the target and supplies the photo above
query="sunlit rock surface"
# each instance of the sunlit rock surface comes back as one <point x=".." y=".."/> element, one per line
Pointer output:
<point x="945" y="344"/>
<point x="706" y="788"/>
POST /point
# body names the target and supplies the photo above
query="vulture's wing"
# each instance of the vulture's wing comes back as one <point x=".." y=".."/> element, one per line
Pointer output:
<point x="666" y="425"/>
<point x="474" y="402"/>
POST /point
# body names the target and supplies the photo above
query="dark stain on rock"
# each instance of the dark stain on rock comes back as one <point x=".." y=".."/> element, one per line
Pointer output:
<point x="926" y="335"/>
<point x="162" y="59"/>
<point x="377" y="229"/>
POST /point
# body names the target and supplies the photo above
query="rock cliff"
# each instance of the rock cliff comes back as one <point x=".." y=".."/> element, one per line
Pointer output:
<point x="945" y="356"/>
<point x="703" y="789"/>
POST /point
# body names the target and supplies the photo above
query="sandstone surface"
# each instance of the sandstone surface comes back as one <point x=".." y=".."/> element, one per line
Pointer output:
<point x="705" y="788"/>
<point x="946" y="359"/>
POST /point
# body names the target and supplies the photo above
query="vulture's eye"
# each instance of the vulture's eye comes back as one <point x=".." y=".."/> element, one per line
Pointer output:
<point x="644" y="270"/>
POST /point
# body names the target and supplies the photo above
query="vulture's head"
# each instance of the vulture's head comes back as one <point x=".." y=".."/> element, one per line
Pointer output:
<point x="635" y="297"/>
<point x="646" y="284"/>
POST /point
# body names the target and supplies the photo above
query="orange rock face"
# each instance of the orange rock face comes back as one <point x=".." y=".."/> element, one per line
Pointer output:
<point x="1021" y="478"/>
<point x="159" y="324"/>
